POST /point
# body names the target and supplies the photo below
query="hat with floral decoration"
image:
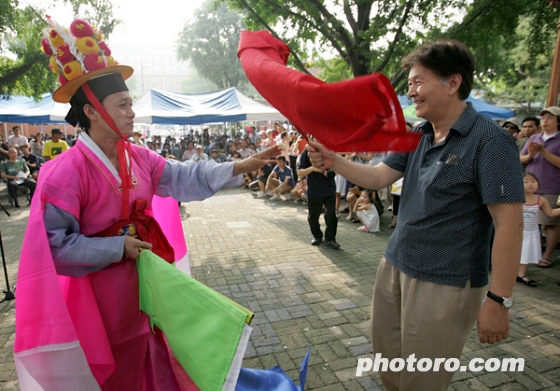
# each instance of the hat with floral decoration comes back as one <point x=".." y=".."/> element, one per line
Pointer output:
<point x="79" y="55"/>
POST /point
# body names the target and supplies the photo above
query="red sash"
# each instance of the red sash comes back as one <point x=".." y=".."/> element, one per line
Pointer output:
<point x="147" y="230"/>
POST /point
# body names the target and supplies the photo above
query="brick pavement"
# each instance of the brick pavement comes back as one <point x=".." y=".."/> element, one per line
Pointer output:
<point x="258" y="252"/>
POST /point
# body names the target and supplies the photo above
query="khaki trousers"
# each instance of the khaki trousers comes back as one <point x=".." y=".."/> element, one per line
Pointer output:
<point x="411" y="316"/>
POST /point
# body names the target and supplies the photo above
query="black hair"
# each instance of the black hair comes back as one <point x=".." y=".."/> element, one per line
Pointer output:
<point x="527" y="173"/>
<point x="445" y="58"/>
<point x="534" y="119"/>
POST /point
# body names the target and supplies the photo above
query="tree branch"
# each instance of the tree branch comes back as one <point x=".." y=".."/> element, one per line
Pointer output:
<point x="295" y="56"/>
<point x="393" y="45"/>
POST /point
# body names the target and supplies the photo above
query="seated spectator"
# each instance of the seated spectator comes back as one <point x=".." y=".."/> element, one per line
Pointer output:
<point x="199" y="155"/>
<point x="190" y="152"/>
<point x="16" y="174"/>
<point x="352" y="196"/>
<point x="234" y="157"/>
<point x="280" y="182"/>
<point x="300" y="191"/>
<point x="215" y="156"/>
<point x="366" y="212"/>
<point x="31" y="160"/>
<point x="262" y="179"/>
<point x="244" y="152"/>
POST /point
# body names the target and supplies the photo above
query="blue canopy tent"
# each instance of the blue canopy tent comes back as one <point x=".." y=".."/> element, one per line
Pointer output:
<point x="479" y="105"/>
<point x="24" y="110"/>
<point x="21" y="109"/>
<point x="160" y="107"/>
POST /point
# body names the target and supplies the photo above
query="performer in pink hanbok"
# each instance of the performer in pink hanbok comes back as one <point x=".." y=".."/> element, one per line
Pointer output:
<point x="78" y="323"/>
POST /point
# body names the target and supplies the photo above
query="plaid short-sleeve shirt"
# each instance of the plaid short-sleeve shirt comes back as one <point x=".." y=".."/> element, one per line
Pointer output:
<point x="444" y="226"/>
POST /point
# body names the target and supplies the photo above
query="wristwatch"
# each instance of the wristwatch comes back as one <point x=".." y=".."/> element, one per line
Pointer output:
<point x="506" y="302"/>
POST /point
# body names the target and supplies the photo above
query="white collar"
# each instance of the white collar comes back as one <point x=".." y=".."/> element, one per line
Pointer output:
<point x="93" y="147"/>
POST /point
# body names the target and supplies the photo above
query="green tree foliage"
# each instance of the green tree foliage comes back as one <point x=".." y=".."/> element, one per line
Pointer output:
<point x="512" y="40"/>
<point x="210" y="42"/>
<point x="23" y="66"/>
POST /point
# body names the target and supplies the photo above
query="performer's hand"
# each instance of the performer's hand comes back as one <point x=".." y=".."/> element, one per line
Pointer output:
<point x="320" y="156"/>
<point x="133" y="246"/>
<point x="256" y="161"/>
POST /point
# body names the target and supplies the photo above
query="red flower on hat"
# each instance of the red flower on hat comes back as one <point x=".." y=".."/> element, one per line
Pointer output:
<point x="103" y="46"/>
<point x="94" y="62"/>
<point x="63" y="54"/>
<point x="46" y="47"/>
<point x="80" y="28"/>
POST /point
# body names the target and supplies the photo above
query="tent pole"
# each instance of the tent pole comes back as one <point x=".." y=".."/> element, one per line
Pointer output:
<point x="6" y="130"/>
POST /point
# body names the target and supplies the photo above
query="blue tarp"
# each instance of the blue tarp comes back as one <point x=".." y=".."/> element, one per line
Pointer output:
<point x="479" y="105"/>
<point x="21" y="109"/>
<point x="160" y="107"/>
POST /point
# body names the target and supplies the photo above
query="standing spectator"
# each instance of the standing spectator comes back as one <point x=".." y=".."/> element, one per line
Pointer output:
<point x="396" y="189"/>
<point x="321" y="191"/>
<point x="463" y="178"/>
<point x="16" y="173"/>
<point x="37" y="145"/>
<point x="284" y="145"/>
<point x="17" y="138"/>
<point x="541" y="155"/>
<point x="137" y="137"/>
<point x="531" y="251"/>
<point x="512" y="126"/>
<point x="55" y="146"/>
<point x="529" y="127"/>
<point x="269" y="141"/>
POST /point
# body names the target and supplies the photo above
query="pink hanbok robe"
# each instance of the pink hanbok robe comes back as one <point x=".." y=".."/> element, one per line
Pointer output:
<point x="92" y="333"/>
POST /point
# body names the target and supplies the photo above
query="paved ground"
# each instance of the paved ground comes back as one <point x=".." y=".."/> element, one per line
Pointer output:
<point x="258" y="252"/>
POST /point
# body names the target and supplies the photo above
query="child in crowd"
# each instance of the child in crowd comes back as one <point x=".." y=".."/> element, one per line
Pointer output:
<point x="216" y="157"/>
<point x="366" y="212"/>
<point x="300" y="191"/>
<point x="531" y="250"/>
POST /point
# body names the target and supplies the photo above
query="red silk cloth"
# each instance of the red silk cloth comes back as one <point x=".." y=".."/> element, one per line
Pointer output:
<point x="358" y="115"/>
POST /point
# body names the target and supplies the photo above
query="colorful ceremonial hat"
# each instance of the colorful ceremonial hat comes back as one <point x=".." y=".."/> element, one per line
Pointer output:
<point x="77" y="55"/>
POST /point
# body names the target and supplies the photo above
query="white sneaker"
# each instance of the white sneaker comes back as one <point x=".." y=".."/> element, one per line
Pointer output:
<point x="261" y="194"/>
<point x="285" y="197"/>
<point x="275" y="197"/>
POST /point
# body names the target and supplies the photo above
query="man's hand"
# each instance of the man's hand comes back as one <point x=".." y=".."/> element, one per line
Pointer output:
<point x="534" y="148"/>
<point x="319" y="156"/>
<point x="256" y="161"/>
<point x="492" y="322"/>
<point x="133" y="246"/>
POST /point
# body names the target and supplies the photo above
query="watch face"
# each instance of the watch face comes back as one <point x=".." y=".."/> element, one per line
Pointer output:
<point x="508" y="302"/>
